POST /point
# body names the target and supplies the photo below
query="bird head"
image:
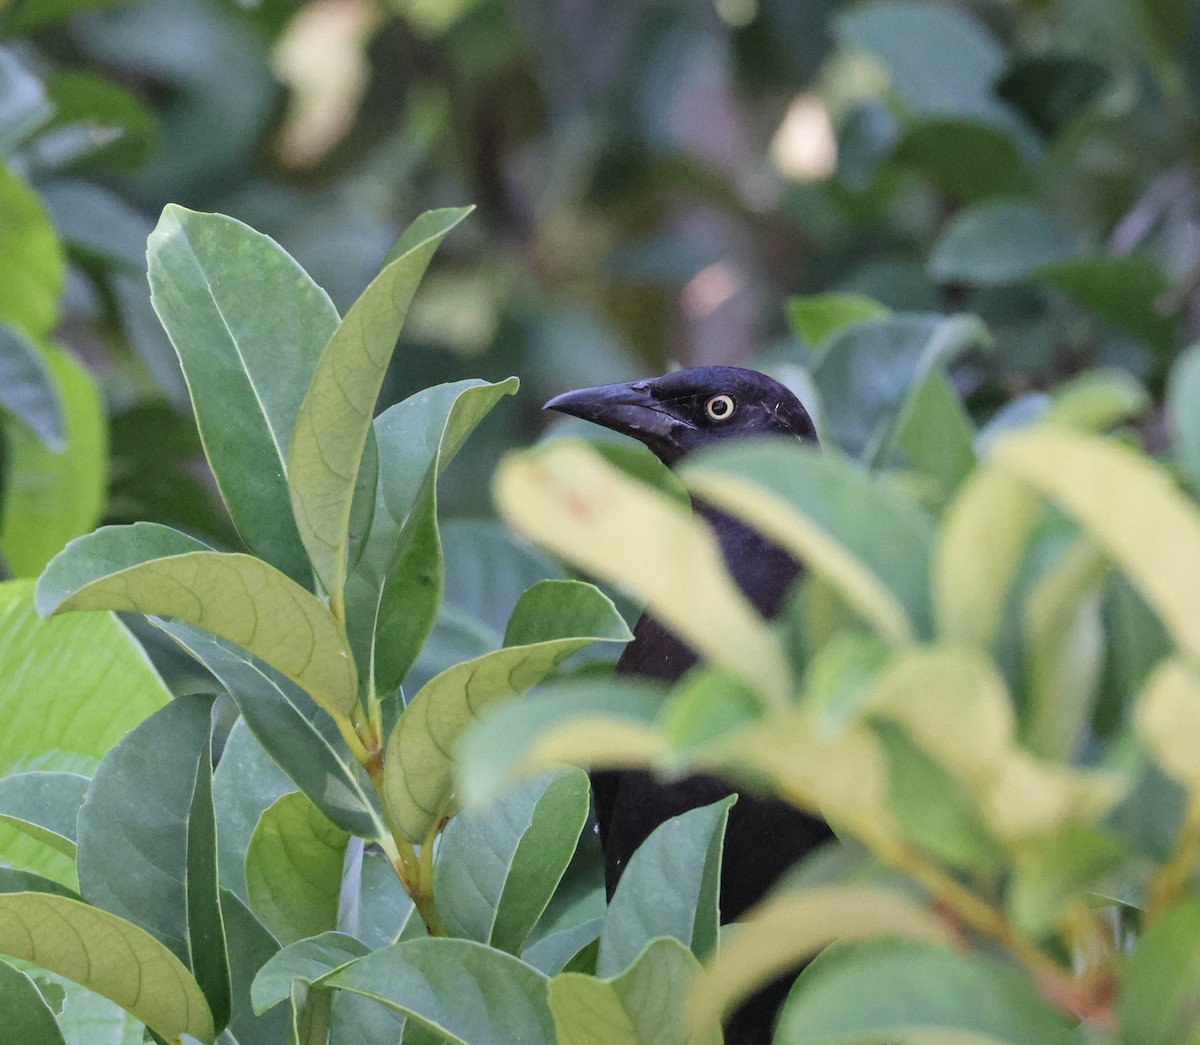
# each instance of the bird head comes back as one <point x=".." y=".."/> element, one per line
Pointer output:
<point x="687" y="409"/>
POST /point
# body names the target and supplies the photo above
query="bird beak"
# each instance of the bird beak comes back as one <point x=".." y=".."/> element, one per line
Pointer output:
<point x="628" y="408"/>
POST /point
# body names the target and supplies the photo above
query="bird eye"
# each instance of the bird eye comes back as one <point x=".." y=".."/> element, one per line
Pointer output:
<point x="720" y="408"/>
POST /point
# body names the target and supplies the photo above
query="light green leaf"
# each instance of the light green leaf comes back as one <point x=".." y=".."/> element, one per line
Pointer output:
<point x="815" y="318"/>
<point x="936" y="432"/>
<point x="860" y="534"/>
<point x="294" y="869"/>
<point x="147" y="568"/>
<point x="1167" y="716"/>
<point x="108" y="955"/>
<point x="1161" y="986"/>
<point x="147" y="840"/>
<point x="647" y="1004"/>
<point x="559" y="619"/>
<point x="1152" y="531"/>
<point x="1098" y="399"/>
<point x="331" y="429"/>
<point x="1183" y="411"/>
<point x="27" y="1017"/>
<point x="27" y="388"/>
<point x="994" y="244"/>
<point x="248" y="325"/>
<point x="791" y="926"/>
<point x="1060" y="872"/>
<point x="44" y="806"/>
<point x="307" y="961"/>
<point x="467" y="993"/>
<point x="497" y="868"/>
<point x="49" y="497"/>
<point x="565" y="497"/>
<point x="32" y="266"/>
<point x="670" y="888"/>
<point x="910" y="990"/>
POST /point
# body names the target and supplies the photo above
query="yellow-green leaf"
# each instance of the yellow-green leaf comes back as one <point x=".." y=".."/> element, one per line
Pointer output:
<point x="1168" y="721"/>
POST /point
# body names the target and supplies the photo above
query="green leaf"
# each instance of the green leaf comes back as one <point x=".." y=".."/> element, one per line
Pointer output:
<point x="25" y="16"/>
<point x="147" y="840"/>
<point x="1098" y="399"/>
<point x="1052" y="87"/>
<point x="1049" y="878"/>
<point x="670" y="888"/>
<point x="647" y="1004"/>
<point x="994" y="244"/>
<point x="306" y="961"/>
<point x="248" y="325"/>
<point x="293" y="730"/>
<point x="16" y="881"/>
<point x="294" y="869"/>
<point x="108" y="955"/>
<point x="331" y="429"/>
<point x="1152" y="532"/>
<point x="791" y="926"/>
<point x="50" y="497"/>
<point x="467" y="993"/>
<point x="497" y="868"/>
<point x="914" y="991"/>
<point x="147" y="568"/>
<point x="1161" y="984"/>
<point x="105" y="112"/>
<point x="936" y="432"/>
<point x="851" y="528"/>
<point x="32" y="267"/>
<point x="556" y="619"/>
<point x="103" y="686"/>
<point x="393" y="596"/>
<point x="968" y="160"/>
<point x="27" y="389"/>
<point x="24" y="106"/>
<point x="44" y="806"/>
<point x="27" y="1017"/>
<point x="250" y="948"/>
<point x="1168" y="721"/>
<point x="815" y="318"/>
<point x="565" y="497"/>
<point x="1183" y="411"/>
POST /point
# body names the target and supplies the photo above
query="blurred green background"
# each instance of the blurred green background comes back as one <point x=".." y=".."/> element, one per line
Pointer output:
<point x="655" y="179"/>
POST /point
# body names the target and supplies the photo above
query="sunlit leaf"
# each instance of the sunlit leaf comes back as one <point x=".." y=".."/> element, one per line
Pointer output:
<point x="32" y="266"/>
<point x="1168" y="721"/>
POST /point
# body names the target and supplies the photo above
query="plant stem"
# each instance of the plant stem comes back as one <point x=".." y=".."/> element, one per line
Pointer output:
<point x="1168" y="881"/>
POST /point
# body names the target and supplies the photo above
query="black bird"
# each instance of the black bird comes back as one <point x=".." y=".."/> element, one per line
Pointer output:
<point x="674" y="415"/>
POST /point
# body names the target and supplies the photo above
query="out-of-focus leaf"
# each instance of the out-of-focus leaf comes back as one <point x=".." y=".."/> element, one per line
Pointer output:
<point x="868" y="539"/>
<point x="248" y="325"/>
<point x="331" y="428"/>
<point x="147" y="840"/>
<point x="553" y="620"/>
<point x="98" y="226"/>
<point x="32" y="268"/>
<point x="997" y="243"/>
<point x="1051" y="88"/>
<point x="917" y="990"/>
<point x="108" y="954"/>
<point x="669" y="888"/>
<point x="25" y="16"/>
<point x="49" y="497"/>
<point x="936" y="432"/>
<point x="1050" y="877"/>
<point x="152" y="569"/>
<point x="646" y="1004"/>
<point x="1168" y="721"/>
<point x="497" y="868"/>
<point x="24" y="106"/>
<point x="566" y="498"/>
<point x="1098" y="399"/>
<point x="1161" y="985"/>
<point x="27" y="1017"/>
<point x="793" y="925"/>
<point x="816" y="318"/>
<point x="969" y="160"/>
<point x="107" y="112"/>
<point x="27" y="389"/>
<point x="1183" y="410"/>
<point x="294" y="869"/>
<point x="44" y="806"/>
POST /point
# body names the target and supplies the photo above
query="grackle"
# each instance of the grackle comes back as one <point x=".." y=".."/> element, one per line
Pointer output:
<point x="674" y="415"/>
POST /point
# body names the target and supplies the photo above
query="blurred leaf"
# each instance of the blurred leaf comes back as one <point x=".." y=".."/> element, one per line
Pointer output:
<point x="936" y="432"/>
<point x="331" y="427"/>
<point x="49" y="497"/>
<point x="646" y="1004"/>
<point x="816" y="318"/>
<point x="102" y="686"/>
<point x="298" y="735"/>
<point x="461" y="990"/>
<point x="497" y="868"/>
<point x="919" y="990"/>
<point x="1051" y="877"/>
<point x="27" y="1017"/>
<point x="294" y="869"/>
<point x="44" y="806"/>
<point x="1166" y="22"/>
<point x="968" y="160"/>
<point x="28" y="390"/>
<point x="148" y="845"/>
<point x="561" y="617"/>
<point x="1053" y="87"/>
<point x="1098" y="399"/>
<point x="792" y="925"/>
<point x="308" y="961"/>
<point x="153" y="569"/>
<point x="248" y="325"/>
<point x="109" y="955"/>
<point x="24" y="106"/>
<point x="1161" y="986"/>
<point x="1168" y="721"/>
<point x="1129" y="292"/>
<point x="25" y="16"/>
<point x="669" y="888"/>
<point x="31" y="260"/>
<point x="1183" y="411"/>
<point x="98" y="226"/>
<point x="996" y="243"/>
<point x="566" y="498"/>
<point x="102" y="109"/>
<point x="833" y="516"/>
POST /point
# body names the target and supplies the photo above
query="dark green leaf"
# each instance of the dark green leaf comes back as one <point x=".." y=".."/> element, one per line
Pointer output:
<point x="306" y="961"/>
<point x="122" y="125"/>
<point x="997" y="243"/>
<point x="250" y="948"/>
<point x="969" y="160"/>
<point x="44" y="805"/>
<point x="1161" y="986"/>
<point x="27" y="1017"/>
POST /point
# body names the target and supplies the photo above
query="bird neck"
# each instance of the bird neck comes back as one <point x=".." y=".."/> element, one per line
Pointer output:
<point x="763" y="570"/>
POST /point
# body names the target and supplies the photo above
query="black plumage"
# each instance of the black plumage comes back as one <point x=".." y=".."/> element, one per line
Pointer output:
<point x="674" y="415"/>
